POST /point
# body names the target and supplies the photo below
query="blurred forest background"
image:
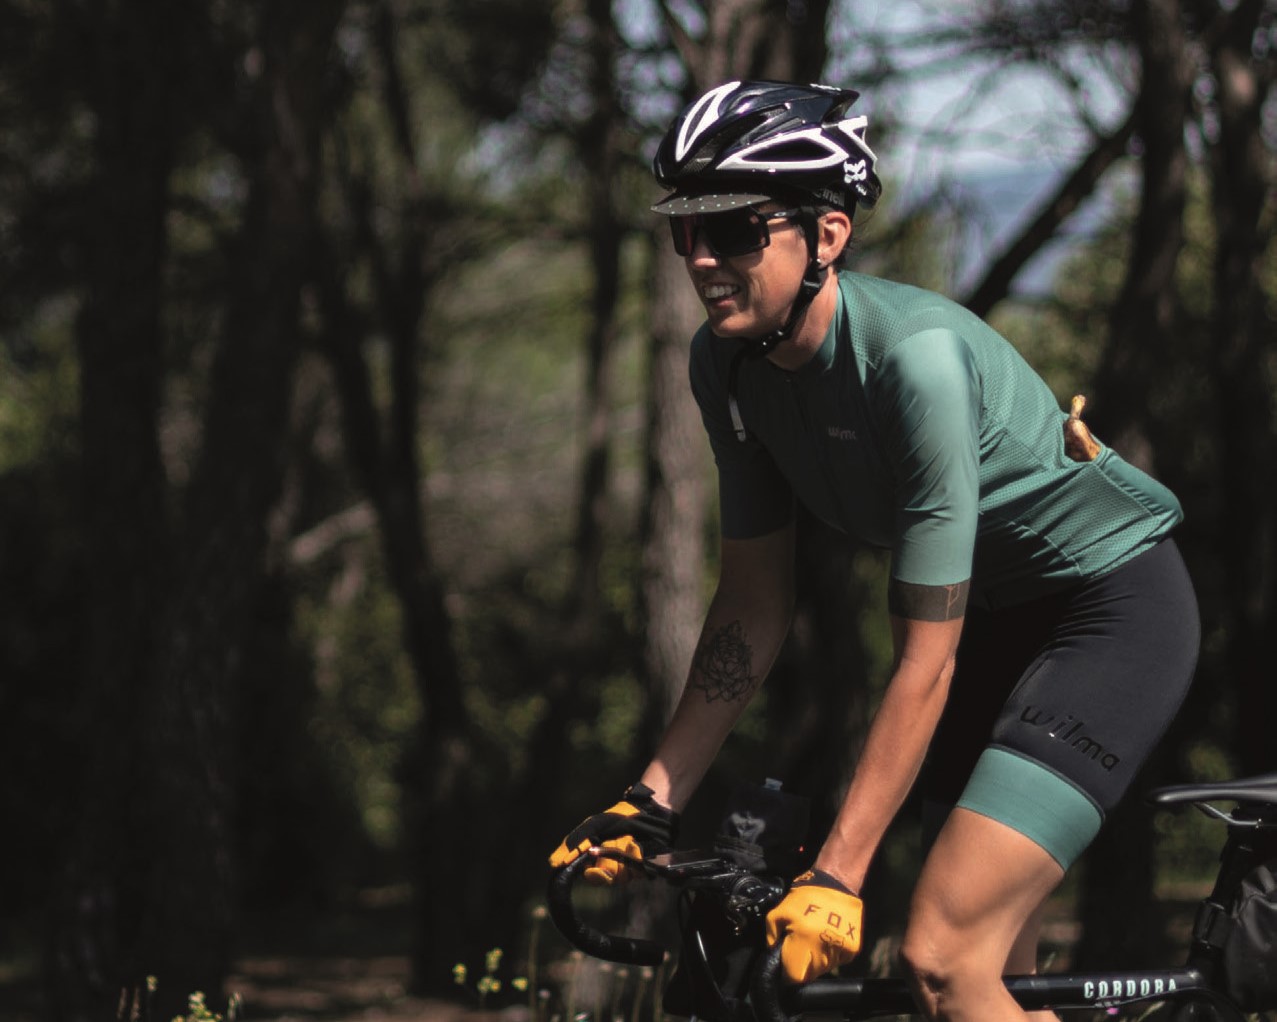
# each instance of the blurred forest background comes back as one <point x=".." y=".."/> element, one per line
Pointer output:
<point x="355" y="523"/>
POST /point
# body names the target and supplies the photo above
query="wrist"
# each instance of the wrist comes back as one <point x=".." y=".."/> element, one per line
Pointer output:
<point x="662" y="789"/>
<point x="849" y="880"/>
<point x="819" y="878"/>
<point x="642" y="796"/>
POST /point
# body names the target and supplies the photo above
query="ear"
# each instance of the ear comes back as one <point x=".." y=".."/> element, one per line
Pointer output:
<point x="833" y="231"/>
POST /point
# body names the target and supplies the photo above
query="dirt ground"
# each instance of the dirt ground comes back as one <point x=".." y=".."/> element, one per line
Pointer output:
<point x="339" y="989"/>
<point x="354" y="967"/>
<point x="289" y="988"/>
<point x="349" y="965"/>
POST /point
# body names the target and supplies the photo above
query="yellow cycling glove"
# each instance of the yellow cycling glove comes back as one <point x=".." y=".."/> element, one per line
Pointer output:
<point x="636" y="825"/>
<point x="819" y="922"/>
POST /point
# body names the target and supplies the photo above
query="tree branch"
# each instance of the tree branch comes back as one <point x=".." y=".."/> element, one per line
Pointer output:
<point x="1076" y="187"/>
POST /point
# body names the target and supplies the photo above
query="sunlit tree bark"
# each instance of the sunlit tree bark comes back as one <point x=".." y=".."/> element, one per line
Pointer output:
<point x="678" y="487"/>
<point x="742" y="40"/>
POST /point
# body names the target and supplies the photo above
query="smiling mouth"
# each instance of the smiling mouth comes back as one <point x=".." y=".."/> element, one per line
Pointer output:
<point x="716" y="292"/>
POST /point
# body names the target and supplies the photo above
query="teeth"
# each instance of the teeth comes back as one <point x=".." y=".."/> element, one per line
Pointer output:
<point x="714" y="291"/>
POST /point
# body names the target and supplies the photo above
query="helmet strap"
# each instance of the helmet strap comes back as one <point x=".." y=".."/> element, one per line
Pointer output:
<point x="813" y="280"/>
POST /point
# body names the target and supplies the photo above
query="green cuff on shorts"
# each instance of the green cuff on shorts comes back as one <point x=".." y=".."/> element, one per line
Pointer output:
<point x="1034" y="801"/>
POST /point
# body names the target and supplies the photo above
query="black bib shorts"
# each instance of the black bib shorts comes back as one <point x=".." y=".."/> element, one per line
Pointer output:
<point x="1056" y="703"/>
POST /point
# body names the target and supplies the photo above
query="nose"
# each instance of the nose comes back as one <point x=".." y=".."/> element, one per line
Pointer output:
<point x="702" y="254"/>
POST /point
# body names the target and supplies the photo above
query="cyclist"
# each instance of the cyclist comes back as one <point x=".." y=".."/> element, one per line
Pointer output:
<point x="1044" y="626"/>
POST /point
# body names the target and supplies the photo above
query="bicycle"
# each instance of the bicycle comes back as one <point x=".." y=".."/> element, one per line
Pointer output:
<point x="731" y="898"/>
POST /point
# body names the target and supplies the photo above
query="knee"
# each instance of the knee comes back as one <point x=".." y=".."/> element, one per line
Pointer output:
<point x="950" y="978"/>
<point x="927" y="969"/>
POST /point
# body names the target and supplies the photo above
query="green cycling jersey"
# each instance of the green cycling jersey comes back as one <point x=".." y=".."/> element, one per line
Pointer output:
<point x="918" y="428"/>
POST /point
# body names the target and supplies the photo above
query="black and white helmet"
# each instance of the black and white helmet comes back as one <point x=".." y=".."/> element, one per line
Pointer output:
<point x="741" y="142"/>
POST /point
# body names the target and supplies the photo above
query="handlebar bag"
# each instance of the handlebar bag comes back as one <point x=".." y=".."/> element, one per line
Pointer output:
<point x="763" y="828"/>
<point x="1250" y="949"/>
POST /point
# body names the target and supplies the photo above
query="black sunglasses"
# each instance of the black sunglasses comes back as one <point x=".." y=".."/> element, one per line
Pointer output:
<point x="737" y="232"/>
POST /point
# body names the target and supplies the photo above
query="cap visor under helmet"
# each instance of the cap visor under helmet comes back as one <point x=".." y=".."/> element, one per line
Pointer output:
<point x="707" y="202"/>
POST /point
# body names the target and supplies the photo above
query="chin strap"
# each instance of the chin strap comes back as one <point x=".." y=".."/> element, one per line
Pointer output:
<point x="813" y="280"/>
<point x="756" y="347"/>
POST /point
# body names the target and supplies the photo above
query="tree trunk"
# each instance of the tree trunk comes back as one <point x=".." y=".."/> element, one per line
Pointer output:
<point x="152" y="892"/>
<point x="1117" y="892"/>
<point x="677" y="486"/>
<point x="824" y="668"/>
<point x="1073" y="190"/>
<point x="126" y="536"/>
<point x="1145" y="314"/>
<point x="584" y="646"/>
<point x="221" y="566"/>
<point x="439" y="788"/>
<point x="1243" y="350"/>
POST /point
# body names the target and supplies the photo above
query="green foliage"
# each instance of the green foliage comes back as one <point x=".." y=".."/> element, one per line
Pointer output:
<point x="199" y="1011"/>
<point x="907" y="245"/>
<point x="39" y="389"/>
<point x="367" y="708"/>
<point x="1063" y="337"/>
<point x="492" y="71"/>
<point x="137" y="1005"/>
<point x="615" y="731"/>
<point x="869" y="574"/>
<point x="1188" y="842"/>
<point x="41" y="597"/>
<point x="559" y="986"/>
<point x="333" y="708"/>
<point x="489" y="982"/>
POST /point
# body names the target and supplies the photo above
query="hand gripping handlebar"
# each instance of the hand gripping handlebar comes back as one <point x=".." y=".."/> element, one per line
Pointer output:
<point x="753" y="895"/>
<point x="765" y="988"/>
<point x="597" y="944"/>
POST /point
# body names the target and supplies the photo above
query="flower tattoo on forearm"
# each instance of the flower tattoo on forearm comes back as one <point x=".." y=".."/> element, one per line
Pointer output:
<point x="723" y="665"/>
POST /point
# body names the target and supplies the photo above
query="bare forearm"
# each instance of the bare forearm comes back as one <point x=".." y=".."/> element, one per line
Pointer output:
<point x="732" y="658"/>
<point x="744" y="629"/>
<point x="892" y="757"/>
<point x="893" y="754"/>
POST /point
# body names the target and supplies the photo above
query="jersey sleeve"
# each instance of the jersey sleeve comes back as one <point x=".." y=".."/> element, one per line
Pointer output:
<point x="754" y="497"/>
<point x="927" y="399"/>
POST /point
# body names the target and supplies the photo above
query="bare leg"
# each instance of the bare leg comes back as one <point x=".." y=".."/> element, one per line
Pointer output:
<point x="975" y="910"/>
<point x="1023" y="959"/>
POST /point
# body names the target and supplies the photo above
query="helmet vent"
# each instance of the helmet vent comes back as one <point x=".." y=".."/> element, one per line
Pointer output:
<point x="760" y="136"/>
<point x="796" y="152"/>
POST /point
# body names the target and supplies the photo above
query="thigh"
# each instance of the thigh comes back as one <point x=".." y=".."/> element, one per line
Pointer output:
<point x="1084" y="683"/>
<point x="981" y="883"/>
<point x="1102" y="691"/>
<point x="994" y="654"/>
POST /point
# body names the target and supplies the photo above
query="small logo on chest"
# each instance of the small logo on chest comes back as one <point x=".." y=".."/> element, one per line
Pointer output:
<point x="841" y="433"/>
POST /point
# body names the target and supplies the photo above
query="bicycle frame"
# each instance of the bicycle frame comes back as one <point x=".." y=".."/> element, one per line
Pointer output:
<point x="875" y="997"/>
<point x="746" y="897"/>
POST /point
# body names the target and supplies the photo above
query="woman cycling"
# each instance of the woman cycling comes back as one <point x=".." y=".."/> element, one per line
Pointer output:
<point x="1045" y="629"/>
